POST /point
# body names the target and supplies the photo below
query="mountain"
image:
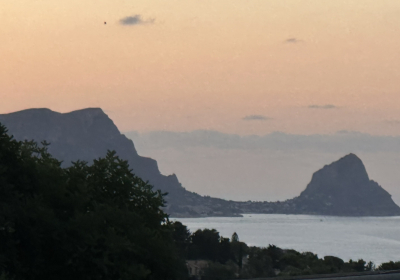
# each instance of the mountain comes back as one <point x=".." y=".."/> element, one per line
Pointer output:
<point x="87" y="134"/>
<point x="342" y="188"/>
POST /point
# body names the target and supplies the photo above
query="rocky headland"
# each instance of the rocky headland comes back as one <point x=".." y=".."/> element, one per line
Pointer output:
<point x="342" y="188"/>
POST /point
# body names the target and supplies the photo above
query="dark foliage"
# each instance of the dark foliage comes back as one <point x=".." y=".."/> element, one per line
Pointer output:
<point x="227" y="258"/>
<point x="181" y="236"/>
<point x="273" y="261"/>
<point x="218" y="271"/>
<point x="389" y="266"/>
<point x="100" y="221"/>
<point x="85" y="222"/>
<point x="209" y="245"/>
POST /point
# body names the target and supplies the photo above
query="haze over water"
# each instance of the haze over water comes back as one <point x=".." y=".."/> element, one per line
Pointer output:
<point x="374" y="239"/>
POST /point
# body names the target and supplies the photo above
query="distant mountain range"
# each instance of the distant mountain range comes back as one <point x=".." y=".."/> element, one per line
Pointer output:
<point x="341" y="188"/>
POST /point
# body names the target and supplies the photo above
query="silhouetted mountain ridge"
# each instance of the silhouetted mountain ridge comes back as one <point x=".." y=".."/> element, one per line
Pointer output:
<point x="87" y="134"/>
<point x="344" y="188"/>
<point x="341" y="188"/>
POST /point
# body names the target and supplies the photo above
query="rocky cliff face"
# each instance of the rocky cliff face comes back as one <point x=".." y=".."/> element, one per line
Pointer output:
<point x="341" y="188"/>
<point x="87" y="134"/>
<point x="344" y="188"/>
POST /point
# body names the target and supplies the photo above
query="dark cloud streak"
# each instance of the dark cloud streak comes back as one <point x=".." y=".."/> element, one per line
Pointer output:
<point x="327" y="106"/>
<point x="293" y="41"/>
<point x="135" y="20"/>
<point x="256" y="118"/>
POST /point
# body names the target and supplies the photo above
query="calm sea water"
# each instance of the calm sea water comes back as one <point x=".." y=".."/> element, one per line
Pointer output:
<point x="368" y="238"/>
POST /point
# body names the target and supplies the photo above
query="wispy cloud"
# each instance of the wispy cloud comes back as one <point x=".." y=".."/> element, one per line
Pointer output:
<point x="136" y="20"/>
<point x="392" y="122"/>
<point x="327" y="106"/>
<point x="293" y="41"/>
<point x="341" y="142"/>
<point x="256" y="118"/>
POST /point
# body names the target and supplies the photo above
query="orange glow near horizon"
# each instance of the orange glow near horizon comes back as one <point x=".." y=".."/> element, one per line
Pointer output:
<point x="207" y="64"/>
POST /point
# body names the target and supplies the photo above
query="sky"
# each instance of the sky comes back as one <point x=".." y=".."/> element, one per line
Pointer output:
<point x="235" y="66"/>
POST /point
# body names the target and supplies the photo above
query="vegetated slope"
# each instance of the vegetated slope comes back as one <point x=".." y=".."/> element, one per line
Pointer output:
<point x="87" y="134"/>
<point x="341" y="188"/>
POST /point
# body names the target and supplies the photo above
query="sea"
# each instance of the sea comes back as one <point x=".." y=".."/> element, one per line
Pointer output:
<point x="375" y="239"/>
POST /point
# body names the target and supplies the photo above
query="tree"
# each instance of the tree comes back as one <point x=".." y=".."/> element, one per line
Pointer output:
<point x="239" y="250"/>
<point x="86" y="222"/>
<point x="204" y="244"/>
<point x="260" y="264"/>
<point x="224" y="250"/>
<point x="207" y="244"/>
<point x="235" y="237"/>
<point x="389" y="266"/>
<point x="181" y="236"/>
<point x="355" y="265"/>
<point x="370" y="266"/>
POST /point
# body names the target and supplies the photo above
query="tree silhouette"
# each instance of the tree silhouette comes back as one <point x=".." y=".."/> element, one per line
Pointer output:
<point x="96" y="221"/>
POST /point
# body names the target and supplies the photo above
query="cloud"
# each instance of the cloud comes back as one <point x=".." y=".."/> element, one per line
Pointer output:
<point x="136" y="20"/>
<point x="342" y="142"/>
<point x="392" y="122"/>
<point x="256" y="118"/>
<point x="293" y="40"/>
<point x="327" y="106"/>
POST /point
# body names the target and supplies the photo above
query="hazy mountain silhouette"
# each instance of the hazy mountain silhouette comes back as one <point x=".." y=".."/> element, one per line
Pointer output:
<point x="341" y="188"/>
<point x="87" y="134"/>
<point x="344" y="188"/>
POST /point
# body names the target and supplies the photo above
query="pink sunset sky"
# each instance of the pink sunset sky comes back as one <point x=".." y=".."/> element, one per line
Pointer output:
<point x="236" y="66"/>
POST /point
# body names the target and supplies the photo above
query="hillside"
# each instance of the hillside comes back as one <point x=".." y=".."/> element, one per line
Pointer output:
<point x="87" y="134"/>
<point x="342" y="188"/>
